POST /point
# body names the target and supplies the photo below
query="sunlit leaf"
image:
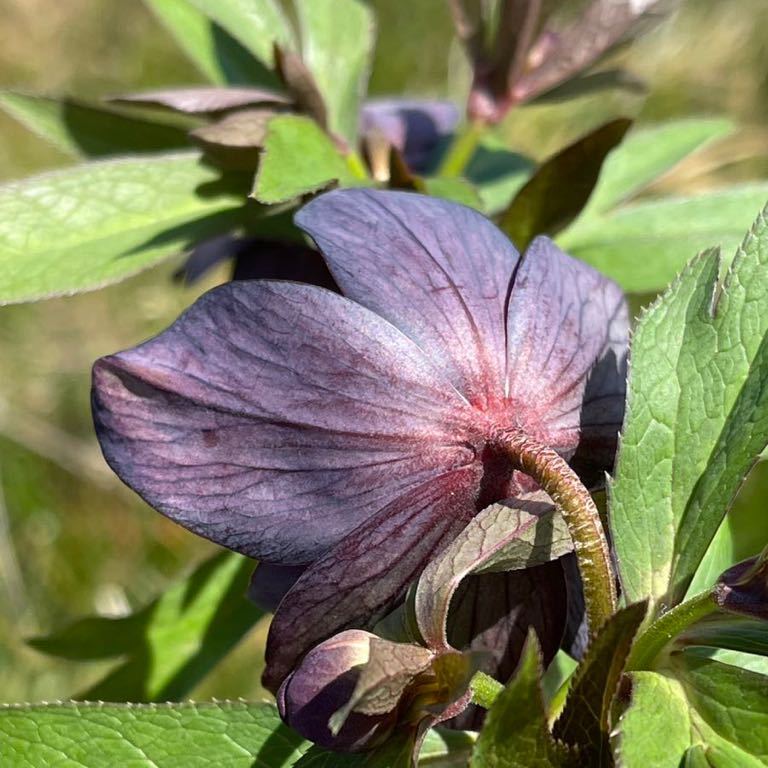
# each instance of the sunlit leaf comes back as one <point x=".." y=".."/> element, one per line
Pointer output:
<point x="697" y="419"/>
<point x="337" y="38"/>
<point x="202" y="100"/>
<point x="648" y="153"/>
<point x="213" y="51"/>
<point x="85" y="227"/>
<point x="497" y="173"/>
<point x="644" y="245"/>
<point x="234" y="734"/>
<point x="256" y="24"/>
<point x="298" y="158"/>
<point x="516" y="734"/>
<point x="78" y="128"/>
<point x="172" y="643"/>
<point x="701" y="703"/>
<point x="456" y="189"/>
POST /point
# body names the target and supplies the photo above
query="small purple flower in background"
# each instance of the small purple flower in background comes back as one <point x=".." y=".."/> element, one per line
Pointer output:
<point x="356" y="435"/>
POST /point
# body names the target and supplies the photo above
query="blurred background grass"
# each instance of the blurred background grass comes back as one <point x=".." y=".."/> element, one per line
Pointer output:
<point x="73" y="541"/>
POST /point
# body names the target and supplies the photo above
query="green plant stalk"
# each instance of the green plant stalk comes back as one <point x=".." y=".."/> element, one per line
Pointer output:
<point x="484" y="689"/>
<point x="552" y="473"/>
<point x="461" y="149"/>
<point x="356" y="165"/>
<point x="653" y="640"/>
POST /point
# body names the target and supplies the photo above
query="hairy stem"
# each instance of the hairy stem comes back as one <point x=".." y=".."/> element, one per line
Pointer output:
<point x="484" y="689"/>
<point x="552" y="473"/>
<point x="653" y="640"/>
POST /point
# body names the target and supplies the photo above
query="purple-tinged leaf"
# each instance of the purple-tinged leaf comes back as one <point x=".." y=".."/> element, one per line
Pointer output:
<point x="415" y="127"/>
<point x="585" y="722"/>
<point x="567" y="333"/>
<point x="203" y="100"/>
<point x="604" y="25"/>
<point x="561" y="186"/>
<point x="235" y="141"/>
<point x="488" y="535"/>
<point x="300" y="83"/>
<point x="437" y="270"/>
<point x="388" y="671"/>
<point x="216" y="423"/>
<point x="361" y="578"/>
<point x="744" y="588"/>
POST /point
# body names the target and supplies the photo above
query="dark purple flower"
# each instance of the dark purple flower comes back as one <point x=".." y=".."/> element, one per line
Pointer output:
<point x="415" y="127"/>
<point x="357" y="434"/>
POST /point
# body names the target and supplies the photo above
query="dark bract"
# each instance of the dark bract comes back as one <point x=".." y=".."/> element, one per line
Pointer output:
<point x="353" y="434"/>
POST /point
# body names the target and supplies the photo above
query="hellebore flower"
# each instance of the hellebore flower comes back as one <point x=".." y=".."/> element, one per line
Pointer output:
<point x="357" y="435"/>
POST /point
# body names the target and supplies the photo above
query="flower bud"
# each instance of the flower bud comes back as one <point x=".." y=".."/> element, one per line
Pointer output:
<point x="744" y="588"/>
<point x="322" y="684"/>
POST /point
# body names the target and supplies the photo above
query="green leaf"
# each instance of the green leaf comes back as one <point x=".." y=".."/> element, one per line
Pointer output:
<point x="92" y="131"/>
<point x="719" y="556"/>
<point x="298" y="158"/>
<point x="729" y="632"/>
<point x="560" y="188"/>
<point x="585" y="722"/>
<point x="85" y="227"/>
<point x="213" y="51"/>
<point x="648" y="153"/>
<point x="256" y="24"/>
<point x="497" y="173"/>
<point x="501" y="537"/>
<point x="697" y="419"/>
<point x="722" y="710"/>
<point x="451" y="188"/>
<point x="337" y="39"/>
<point x="643" y="246"/>
<point x="446" y="747"/>
<point x="234" y="734"/>
<point x="515" y="734"/>
<point x="173" y="642"/>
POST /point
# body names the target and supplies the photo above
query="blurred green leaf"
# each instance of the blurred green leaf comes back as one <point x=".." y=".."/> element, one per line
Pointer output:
<point x="648" y="153"/>
<point x="516" y="734"/>
<point x="497" y="173"/>
<point x="561" y="186"/>
<point x="215" y="53"/>
<point x="644" y="245"/>
<point x="697" y="419"/>
<point x="234" y="734"/>
<point x="93" y="131"/>
<point x="172" y="643"/>
<point x="717" y="708"/>
<point x="729" y="632"/>
<point x="337" y="39"/>
<point x="256" y="24"/>
<point x="452" y="188"/>
<point x="81" y="228"/>
<point x="298" y="158"/>
<point x="585" y="722"/>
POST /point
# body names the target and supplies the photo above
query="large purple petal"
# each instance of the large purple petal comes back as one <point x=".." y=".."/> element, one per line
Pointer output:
<point x="274" y="418"/>
<point x="414" y="126"/>
<point x="567" y="334"/>
<point x="361" y="578"/>
<point x="437" y="270"/>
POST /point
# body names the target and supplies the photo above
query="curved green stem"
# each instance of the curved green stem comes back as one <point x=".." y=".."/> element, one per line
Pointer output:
<point x="484" y="689"/>
<point x="653" y="640"/>
<point x="552" y="473"/>
<point x="461" y="149"/>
